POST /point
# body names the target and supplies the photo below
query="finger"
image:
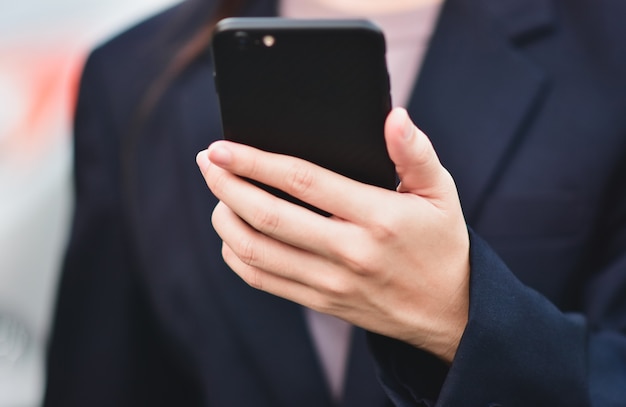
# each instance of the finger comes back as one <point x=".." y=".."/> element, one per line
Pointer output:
<point x="417" y="164"/>
<point x="265" y="281"/>
<point x="322" y="188"/>
<point x="272" y="216"/>
<point x="260" y="251"/>
<point x="273" y="266"/>
<point x="328" y="299"/>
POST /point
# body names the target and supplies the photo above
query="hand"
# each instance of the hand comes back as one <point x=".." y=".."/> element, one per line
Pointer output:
<point x="392" y="262"/>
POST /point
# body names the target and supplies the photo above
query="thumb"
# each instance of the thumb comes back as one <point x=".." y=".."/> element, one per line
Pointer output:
<point x="417" y="164"/>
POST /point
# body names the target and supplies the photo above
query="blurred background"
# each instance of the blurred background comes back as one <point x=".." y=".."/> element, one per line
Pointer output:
<point x="43" y="45"/>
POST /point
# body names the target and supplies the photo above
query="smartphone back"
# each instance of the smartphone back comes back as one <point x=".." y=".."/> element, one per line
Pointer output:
<point x="315" y="89"/>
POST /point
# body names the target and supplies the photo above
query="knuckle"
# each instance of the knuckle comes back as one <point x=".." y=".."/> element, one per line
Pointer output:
<point x="266" y="220"/>
<point x="250" y="275"/>
<point x="255" y="280"/>
<point x="357" y="258"/>
<point x="299" y="180"/>
<point x="357" y="263"/>
<point x="337" y="287"/>
<point x="325" y="307"/>
<point x="385" y="226"/>
<point x="319" y="302"/>
<point x="327" y="302"/>
<point x="247" y="252"/>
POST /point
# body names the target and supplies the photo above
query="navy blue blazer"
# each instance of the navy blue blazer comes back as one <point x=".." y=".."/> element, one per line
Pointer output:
<point x="525" y="101"/>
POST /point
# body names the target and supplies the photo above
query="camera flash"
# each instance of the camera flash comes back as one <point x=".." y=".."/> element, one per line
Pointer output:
<point x="269" y="40"/>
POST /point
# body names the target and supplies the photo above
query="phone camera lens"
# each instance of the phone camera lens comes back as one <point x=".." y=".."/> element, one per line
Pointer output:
<point x="242" y="39"/>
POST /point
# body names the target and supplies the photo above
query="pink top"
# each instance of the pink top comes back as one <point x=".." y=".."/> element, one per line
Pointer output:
<point x="407" y="33"/>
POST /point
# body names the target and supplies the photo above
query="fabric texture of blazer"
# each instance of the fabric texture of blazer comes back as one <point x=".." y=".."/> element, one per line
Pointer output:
<point x="525" y="102"/>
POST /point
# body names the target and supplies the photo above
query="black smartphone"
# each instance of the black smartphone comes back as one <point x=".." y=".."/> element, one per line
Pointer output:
<point x="314" y="89"/>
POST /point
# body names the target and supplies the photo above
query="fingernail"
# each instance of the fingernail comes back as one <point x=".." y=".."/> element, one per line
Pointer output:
<point x="409" y="128"/>
<point x="219" y="155"/>
<point x="202" y="159"/>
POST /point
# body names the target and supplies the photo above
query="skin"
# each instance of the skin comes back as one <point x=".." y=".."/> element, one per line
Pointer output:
<point x="403" y="273"/>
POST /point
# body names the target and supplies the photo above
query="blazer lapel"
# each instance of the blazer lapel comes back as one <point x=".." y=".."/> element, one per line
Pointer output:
<point x="477" y="91"/>
<point x="361" y="387"/>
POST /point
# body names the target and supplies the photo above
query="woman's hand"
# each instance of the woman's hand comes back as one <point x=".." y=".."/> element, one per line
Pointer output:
<point x="392" y="262"/>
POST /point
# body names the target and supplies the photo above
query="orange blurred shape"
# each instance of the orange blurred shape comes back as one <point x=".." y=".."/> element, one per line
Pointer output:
<point x="49" y="81"/>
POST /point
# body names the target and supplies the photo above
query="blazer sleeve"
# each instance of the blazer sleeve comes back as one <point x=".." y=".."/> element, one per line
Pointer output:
<point x="518" y="349"/>
<point x="105" y="347"/>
